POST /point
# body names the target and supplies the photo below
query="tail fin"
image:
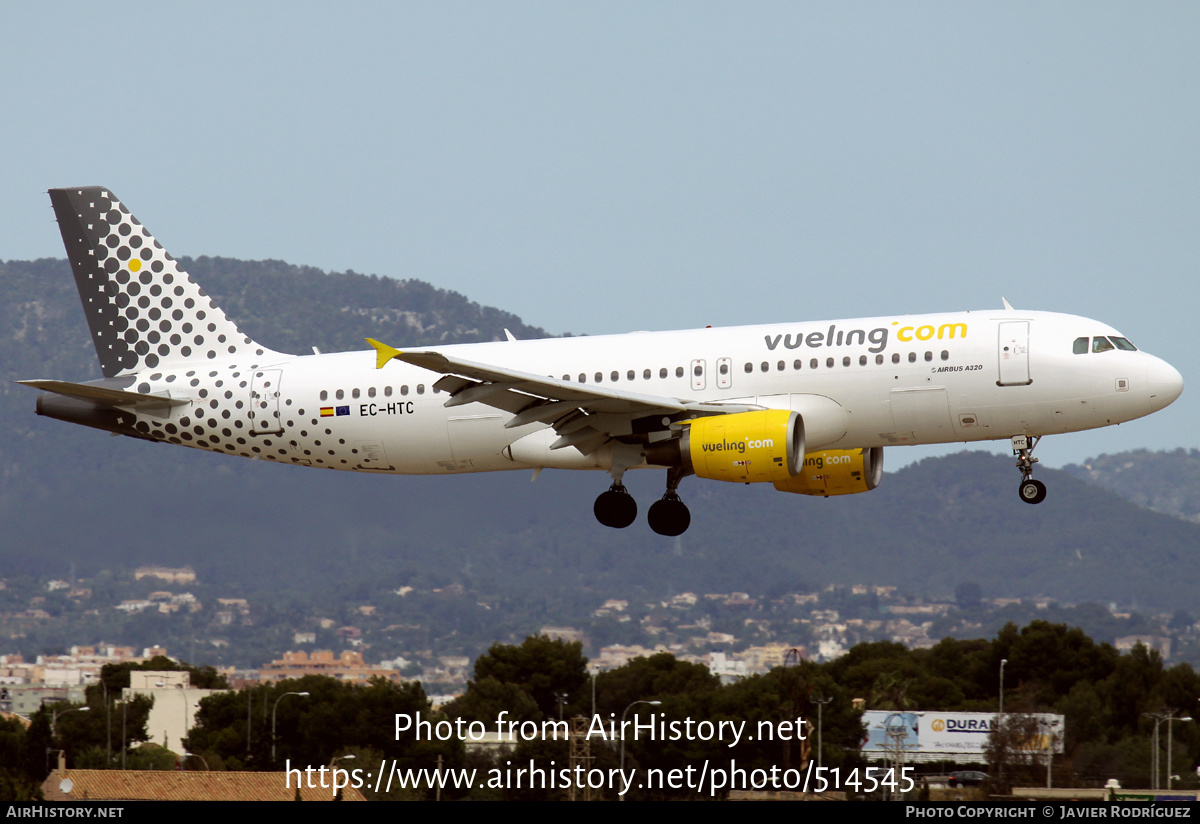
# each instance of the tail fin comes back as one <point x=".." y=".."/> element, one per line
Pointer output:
<point x="144" y="311"/>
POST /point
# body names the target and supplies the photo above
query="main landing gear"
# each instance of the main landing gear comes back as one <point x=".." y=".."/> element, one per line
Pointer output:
<point x="1031" y="491"/>
<point x="669" y="516"/>
<point x="616" y="507"/>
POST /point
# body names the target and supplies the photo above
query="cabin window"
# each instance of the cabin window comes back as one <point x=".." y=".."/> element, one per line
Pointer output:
<point x="796" y="364"/>
<point x="945" y="354"/>
<point x="764" y="366"/>
<point x="420" y="389"/>
<point x="812" y="364"/>
<point x="387" y="391"/>
<point x="723" y="368"/>
<point x="354" y="393"/>
<point x="829" y="363"/>
<point x="630" y="374"/>
<point x="371" y="392"/>
<point x="340" y="394"/>
<point x="662" y="373"/>
<point x="895" y="357"/>
<point x="599" y="376"/>
<point x="749" y="368"/>
<point x="404" y="389"/>
<point x="679" y="371"/>
<point x="614" y="376"/>
<point x="646" y="375"/>
<point x="928" y="356"/>
<point x="846" y="361"/>
<point x="862" y="360"/>
<point x="582" y="378"/>
<point x="781" y="366"/>
<point x="324" y="395"/>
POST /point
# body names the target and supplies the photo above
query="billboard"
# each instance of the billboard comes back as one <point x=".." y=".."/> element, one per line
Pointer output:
<point x="956" y="736"/>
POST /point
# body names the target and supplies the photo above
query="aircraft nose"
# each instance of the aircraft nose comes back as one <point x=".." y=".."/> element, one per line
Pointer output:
<point x="1166" y="384"/>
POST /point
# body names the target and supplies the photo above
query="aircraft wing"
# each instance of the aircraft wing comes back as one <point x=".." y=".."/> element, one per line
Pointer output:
<point x="584" y="415"/>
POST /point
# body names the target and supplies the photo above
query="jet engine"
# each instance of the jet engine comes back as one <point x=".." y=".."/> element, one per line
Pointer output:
<point x="746" y="447"/>
<point x="836" y="472"/>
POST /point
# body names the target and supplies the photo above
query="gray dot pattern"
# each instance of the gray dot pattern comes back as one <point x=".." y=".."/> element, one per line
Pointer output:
<point x="143" y="310"/>
<point x="151" y="321"/>
<point x="221" y="418"/>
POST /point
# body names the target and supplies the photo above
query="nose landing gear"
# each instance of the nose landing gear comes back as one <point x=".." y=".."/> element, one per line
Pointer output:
<point x="1030" y="491"/>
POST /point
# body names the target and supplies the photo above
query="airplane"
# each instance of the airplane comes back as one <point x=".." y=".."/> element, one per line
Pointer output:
<point x="807" y="407"/>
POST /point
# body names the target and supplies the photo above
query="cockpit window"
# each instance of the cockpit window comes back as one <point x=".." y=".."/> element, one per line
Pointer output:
<point x="1080" y="347"/>
<point x="1100" y="344"/>
<point x="1122" y="343"/>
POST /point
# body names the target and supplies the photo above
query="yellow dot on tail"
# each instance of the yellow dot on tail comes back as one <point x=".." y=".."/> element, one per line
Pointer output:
<point x="134" y="265"/>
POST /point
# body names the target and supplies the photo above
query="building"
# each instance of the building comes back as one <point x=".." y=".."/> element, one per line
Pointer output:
<point x="348" y="667"/>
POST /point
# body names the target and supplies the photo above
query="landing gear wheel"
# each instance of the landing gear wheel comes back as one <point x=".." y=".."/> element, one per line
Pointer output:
<point x="669" y="516"/>
<point x="1031" y="491"/>
<point x="616" y="507"/>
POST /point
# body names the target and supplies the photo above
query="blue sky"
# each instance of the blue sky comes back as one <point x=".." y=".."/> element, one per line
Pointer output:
<point x="605" y="167"/>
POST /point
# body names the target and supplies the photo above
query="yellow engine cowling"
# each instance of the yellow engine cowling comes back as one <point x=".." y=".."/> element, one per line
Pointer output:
<point x="837" y="472"/>
<point x="747" y="447"/>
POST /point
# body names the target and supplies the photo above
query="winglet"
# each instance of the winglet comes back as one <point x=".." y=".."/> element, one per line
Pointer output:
<point x="383" y="352"/>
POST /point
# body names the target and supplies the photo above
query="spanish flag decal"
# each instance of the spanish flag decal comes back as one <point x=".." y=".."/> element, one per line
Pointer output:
<point x="326" y="411"/>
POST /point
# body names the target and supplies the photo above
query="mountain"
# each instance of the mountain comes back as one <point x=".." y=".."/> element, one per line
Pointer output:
<point x="76" y="499"/>
<point x="1167" y="482"/>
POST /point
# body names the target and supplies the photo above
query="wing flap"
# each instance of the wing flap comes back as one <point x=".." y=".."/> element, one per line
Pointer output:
<point x="605" y="412"/>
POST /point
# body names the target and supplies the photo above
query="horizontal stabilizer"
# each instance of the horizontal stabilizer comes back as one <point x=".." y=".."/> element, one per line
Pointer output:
<point x="105" y="396"/>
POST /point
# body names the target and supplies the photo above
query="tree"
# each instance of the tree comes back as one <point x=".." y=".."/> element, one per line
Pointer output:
<point x="100" y="730"/>
<point x="1017" y="748"/>
<point x="543" y="667"/>
<point x="486" y="698"/>
<point x="656" y="677"/>
<point x="17" y="781"/>
<point x="116" y="676"/>
<point x="333" y="718"/>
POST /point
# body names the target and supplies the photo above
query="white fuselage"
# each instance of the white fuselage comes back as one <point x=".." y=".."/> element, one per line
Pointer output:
<point x="924" y="379"/>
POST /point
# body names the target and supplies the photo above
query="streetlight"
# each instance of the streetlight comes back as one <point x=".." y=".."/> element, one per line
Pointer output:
<point x="1003" y="661"/>
<point x="274" y="709"/>
<point x="108" y="721"/>
<point x="56" y="714"/>
<point x="594" y="671"/>
<point x="1182" y="718"/>
<point x="634" y="704"/>
<point x="1158" y="718"/>
<point x="820" y="702"/>
<point x="1000" y="714"/>
<point x="188" y="755"/>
